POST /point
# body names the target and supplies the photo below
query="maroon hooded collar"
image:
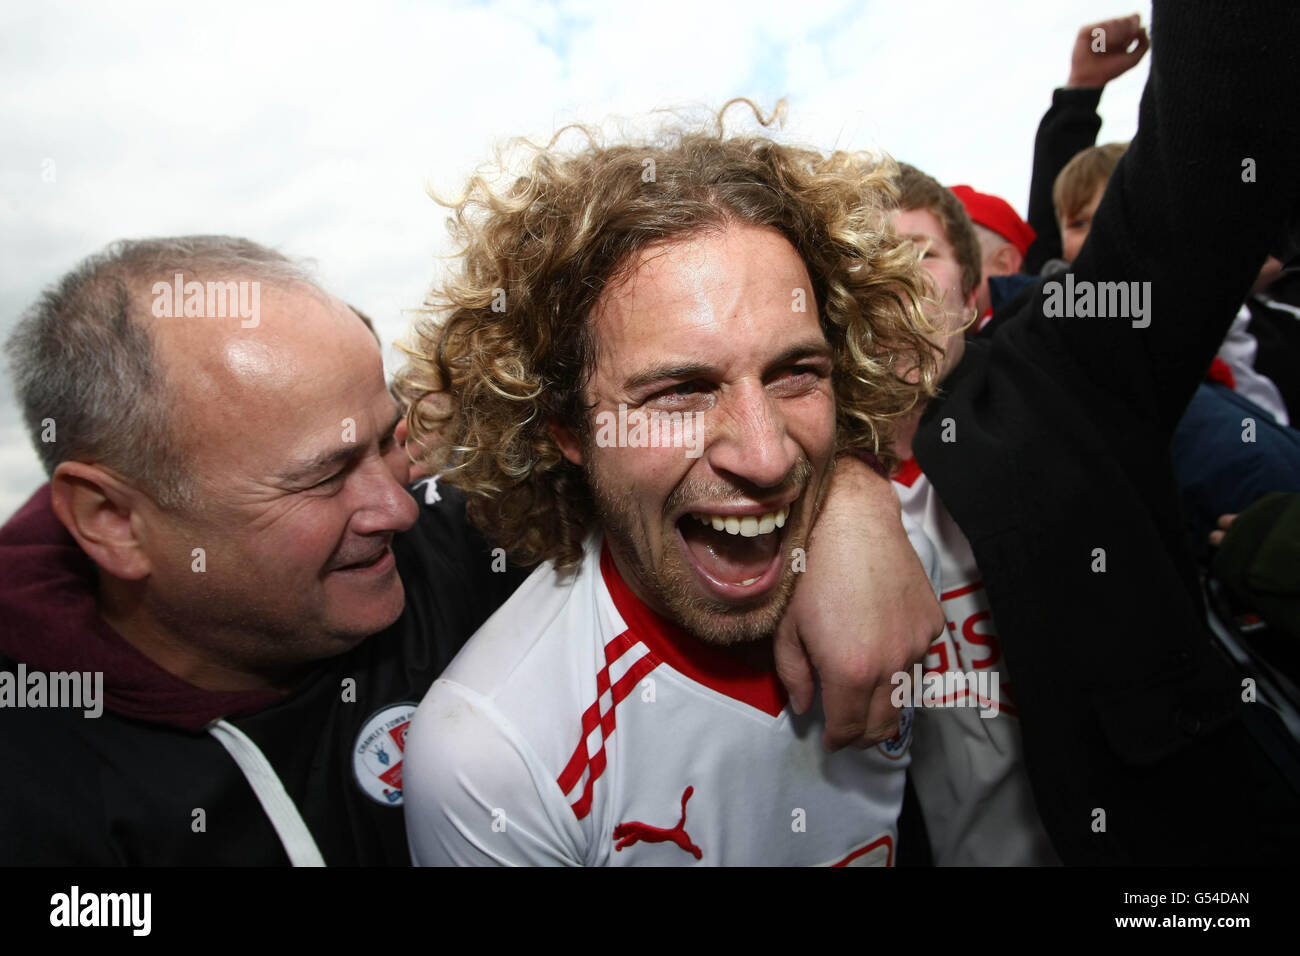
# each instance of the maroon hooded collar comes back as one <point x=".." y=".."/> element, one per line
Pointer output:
<point x="49" y="621"/>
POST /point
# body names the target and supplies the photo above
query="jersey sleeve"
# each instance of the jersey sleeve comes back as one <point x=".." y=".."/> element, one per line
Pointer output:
<point x="456" y="547"/>
<point x="475" y="792"/>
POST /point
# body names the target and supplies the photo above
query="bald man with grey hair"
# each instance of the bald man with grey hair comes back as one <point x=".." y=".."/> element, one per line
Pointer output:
<point x="81" y="362"/>
<point x="215" y="562"/>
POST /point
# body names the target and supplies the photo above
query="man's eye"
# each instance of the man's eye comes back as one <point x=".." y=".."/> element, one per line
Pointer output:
<point x="798" y="378"/>
<point x="681" y="389"/>
<point x="682" y="395"/>
<point x="329" y="482"/>
<point x="804" y="371"/>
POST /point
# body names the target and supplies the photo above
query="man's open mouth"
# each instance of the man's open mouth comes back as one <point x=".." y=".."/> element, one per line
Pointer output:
<point x="737" y="555"/>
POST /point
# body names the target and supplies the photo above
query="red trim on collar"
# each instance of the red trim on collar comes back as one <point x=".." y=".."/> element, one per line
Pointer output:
<point x="1221" y="372"/>
<point x="908" y="472"/>
<point x="725" y="670"/>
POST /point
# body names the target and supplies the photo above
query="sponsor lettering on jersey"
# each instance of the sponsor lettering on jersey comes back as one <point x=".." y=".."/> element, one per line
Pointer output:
<point x="971" y="643"/>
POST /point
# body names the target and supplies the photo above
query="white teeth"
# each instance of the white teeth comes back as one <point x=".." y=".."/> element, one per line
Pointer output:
<point x="745" y="584"/>
<point x="747" y="526"/>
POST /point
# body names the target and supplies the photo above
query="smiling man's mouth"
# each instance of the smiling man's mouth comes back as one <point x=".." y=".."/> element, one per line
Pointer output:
<point x="375" y="560"/>
<point x="737" y="556"/>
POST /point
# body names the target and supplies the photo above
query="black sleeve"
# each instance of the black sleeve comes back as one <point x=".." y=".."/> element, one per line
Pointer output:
<point x="1189" y="213"/>
<point x="492" y="577"/>
<point x="445" y="553"/>
<point x="1069" y="126"/>
<point x="52" y="804"/>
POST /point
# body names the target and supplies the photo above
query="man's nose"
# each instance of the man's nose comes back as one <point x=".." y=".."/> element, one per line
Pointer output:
<point x="384" y="504"/>
<point x="747" y="438"/>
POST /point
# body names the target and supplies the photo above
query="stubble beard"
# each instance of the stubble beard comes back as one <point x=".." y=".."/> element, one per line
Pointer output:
<point x="669" y="586"/>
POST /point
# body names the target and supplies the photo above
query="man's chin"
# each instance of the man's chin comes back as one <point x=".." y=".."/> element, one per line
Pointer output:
<point x="357" y="617"/>
<point x="724" y="625"/>
<point x="737" y="630"/>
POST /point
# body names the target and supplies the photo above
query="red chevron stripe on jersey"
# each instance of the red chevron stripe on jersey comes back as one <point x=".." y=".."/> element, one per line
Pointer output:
<point x="593" y="717"/>
<point x="743" y="672"/>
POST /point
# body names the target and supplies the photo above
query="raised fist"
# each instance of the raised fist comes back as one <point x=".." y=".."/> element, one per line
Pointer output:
<point x="1102" y="51"/>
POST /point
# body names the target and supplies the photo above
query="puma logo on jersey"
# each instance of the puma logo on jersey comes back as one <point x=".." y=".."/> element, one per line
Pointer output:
<point x="634" y="831"/>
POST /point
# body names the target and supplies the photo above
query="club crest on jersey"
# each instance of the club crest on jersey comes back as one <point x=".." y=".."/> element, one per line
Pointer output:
<point x="897" y="745"/>
<point x="377" y="756"/>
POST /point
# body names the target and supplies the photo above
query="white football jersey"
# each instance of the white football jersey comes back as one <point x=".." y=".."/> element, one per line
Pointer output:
<point x="968" y="769"/>
<point x="578" y="727"/>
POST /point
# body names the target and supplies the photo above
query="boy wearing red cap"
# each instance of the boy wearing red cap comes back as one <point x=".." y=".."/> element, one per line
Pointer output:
<point x="1004" y="239"/>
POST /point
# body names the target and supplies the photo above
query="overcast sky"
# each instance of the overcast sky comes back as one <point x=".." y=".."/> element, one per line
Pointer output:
<point x="316" y="128"/>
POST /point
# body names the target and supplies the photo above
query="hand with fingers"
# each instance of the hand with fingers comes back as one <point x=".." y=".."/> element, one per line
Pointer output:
<point x="1225" y="522"/>
<point x="863" y="611"/>
<point x="1106" y="50"/>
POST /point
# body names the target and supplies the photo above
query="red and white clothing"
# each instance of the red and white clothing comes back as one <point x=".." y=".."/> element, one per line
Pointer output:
<point x="1238" y="353"/>
<point x="968" y="770"/>
<point x="578" y="727"/>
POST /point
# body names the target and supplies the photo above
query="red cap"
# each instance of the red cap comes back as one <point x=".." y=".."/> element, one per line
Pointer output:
<point x="993" y="212"/>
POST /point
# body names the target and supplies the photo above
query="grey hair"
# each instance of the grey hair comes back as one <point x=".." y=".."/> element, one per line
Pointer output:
<point x="82" y="357"/>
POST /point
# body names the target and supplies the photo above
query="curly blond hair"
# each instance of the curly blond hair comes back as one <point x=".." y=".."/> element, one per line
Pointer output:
<point x="503" y="347"/>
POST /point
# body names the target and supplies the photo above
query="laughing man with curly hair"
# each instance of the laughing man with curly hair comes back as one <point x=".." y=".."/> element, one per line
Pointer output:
<point x="642" y="374"/>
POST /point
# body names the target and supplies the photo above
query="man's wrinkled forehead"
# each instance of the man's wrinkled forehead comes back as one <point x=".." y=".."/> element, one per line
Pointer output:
<point x="311" y="360"/>
<point x="678" y="296"/>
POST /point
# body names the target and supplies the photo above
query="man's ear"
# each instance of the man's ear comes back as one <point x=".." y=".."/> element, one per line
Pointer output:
<point x="1006" y="261"/>
<point x="101" y="512"/>
<point x="570" y="447"/>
